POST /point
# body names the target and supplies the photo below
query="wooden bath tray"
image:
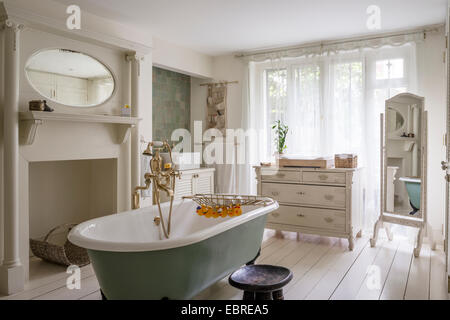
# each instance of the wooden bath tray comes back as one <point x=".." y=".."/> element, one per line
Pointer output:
<point x="306" y="162"/>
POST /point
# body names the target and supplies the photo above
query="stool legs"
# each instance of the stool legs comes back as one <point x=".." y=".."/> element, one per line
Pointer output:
<point x="278" y="295"/>
<point x="248" y="295"/>
<point x="275" y="295"/>
<point x="263" y="296"/>
<point x="261" y="282"/>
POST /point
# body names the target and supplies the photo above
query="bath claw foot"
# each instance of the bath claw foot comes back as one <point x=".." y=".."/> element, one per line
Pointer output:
<point x="351" y="243"/>
<point x="417" y="252"/>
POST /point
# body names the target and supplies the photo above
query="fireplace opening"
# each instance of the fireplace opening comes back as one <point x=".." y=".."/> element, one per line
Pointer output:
<point x="66" y="192"/>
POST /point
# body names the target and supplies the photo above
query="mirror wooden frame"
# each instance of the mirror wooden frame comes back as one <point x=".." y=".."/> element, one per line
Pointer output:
<point x="420" y="222"/>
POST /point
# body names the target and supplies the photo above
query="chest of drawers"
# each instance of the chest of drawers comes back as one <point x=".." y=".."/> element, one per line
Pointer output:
<point x="326" y="202"/>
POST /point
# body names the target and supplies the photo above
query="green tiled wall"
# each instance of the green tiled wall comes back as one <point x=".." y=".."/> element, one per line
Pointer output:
<point x="171" y="103"/>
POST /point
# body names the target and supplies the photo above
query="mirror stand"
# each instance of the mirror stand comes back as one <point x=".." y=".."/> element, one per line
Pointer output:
<point x="403" y="152"/>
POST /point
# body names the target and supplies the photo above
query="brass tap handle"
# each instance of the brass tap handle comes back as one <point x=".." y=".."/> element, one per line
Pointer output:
<point x="177" y="174"/>
<point x="136" y="200"/>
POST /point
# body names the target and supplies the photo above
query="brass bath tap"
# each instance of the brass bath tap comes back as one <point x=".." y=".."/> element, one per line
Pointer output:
<point x="162" y="178"/>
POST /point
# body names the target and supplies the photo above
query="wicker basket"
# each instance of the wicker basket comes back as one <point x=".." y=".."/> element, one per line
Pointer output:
<point x="350" y="161"/>
<point x="67" y="254"/>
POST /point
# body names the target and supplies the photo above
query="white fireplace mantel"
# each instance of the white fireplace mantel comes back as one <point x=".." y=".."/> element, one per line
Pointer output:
<point x="31" y="120"/>
<point x="46" y="135"/>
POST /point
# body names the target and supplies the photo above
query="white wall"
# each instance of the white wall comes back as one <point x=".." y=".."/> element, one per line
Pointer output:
<point x="225" y="68"/>
<point x="198" y="102"/>
<point x="431" y="85"/>
<point x="230" y="68"/>
<point x="51" y="16"/>
<point x="146" y="124"/>
<point x="180" y="59"/>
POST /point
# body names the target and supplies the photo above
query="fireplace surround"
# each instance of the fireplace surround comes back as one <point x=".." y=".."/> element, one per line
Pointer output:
<point x="102" y="147"/>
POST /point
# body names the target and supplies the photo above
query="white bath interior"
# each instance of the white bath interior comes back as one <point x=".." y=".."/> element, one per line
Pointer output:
<point x="135" y="231"/>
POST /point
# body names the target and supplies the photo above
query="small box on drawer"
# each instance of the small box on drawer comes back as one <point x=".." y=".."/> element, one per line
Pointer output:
<point x="346" y="161"/>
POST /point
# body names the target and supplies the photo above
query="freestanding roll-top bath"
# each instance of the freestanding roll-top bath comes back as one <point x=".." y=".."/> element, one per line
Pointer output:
<point x="413" y="189"/>
<point x="133" y="260"/>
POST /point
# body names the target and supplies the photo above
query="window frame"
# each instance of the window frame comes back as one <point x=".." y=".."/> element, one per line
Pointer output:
<point x="326" y="64"/>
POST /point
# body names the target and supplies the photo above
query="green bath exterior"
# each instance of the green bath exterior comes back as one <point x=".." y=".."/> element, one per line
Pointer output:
<point x="413" y="189"/>
<point x="178" y="273"/>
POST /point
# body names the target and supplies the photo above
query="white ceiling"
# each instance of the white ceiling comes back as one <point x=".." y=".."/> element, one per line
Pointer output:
<point x="223" y="26"/>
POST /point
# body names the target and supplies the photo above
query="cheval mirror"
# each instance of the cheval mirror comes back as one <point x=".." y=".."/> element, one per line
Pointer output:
<point x="403" y="156"/>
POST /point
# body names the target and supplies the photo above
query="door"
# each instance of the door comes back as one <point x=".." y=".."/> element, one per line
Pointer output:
<point x="204" y="183"/>
<point x="445" y="166"/>
<point x="184" y="186"/>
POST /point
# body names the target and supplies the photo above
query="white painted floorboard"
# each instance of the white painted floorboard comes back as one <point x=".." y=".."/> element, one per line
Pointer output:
<point x="323" y="268"/>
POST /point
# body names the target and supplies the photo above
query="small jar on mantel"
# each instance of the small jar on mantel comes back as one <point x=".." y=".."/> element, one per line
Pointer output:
<point x="126" y="111"/>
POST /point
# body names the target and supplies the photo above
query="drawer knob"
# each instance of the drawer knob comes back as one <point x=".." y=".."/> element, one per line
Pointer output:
<point x="275" y="193"/>
<point x="300" y="215"/>
<point x="329" y="197"/>
<point x="281" y="175"/>
<point x="323" y="177"/>
<point x="300" y="193"/>
<point x="329" y="220"/>
<point x="275" y="214"/>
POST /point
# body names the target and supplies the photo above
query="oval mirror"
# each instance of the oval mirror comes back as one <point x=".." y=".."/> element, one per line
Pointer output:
<point x="70" y="78"/>
<point x="395" y="120"/>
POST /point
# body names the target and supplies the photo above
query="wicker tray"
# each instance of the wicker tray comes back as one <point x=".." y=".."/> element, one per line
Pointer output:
<point x="305" y="162"/>
<point x="66" y="255"/>
<point x="349" y="161"/>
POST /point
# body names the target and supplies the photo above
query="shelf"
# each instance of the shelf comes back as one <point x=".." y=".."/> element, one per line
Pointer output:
<point x="403" y="139"/>
<point x="76" y="117"/>
<point x="31" y="120"/>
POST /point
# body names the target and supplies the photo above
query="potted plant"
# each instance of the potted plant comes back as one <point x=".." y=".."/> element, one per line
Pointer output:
<point x="281" y="132"/>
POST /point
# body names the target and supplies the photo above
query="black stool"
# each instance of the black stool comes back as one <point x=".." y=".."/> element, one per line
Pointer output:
<point x="261" y="282"/>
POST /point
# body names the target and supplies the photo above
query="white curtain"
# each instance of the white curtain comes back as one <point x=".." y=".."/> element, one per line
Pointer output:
<point x="331" y="102"/>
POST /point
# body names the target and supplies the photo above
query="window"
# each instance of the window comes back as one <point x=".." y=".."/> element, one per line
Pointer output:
<point x="345" y="131"/>
<point x="276" y="94"/>
<point x="389" y="80"/>
<point x="332" y="104"/>
<point x="329" y="102"/>
<point x="307" y="108"/>
<point x="389" y="69"/>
